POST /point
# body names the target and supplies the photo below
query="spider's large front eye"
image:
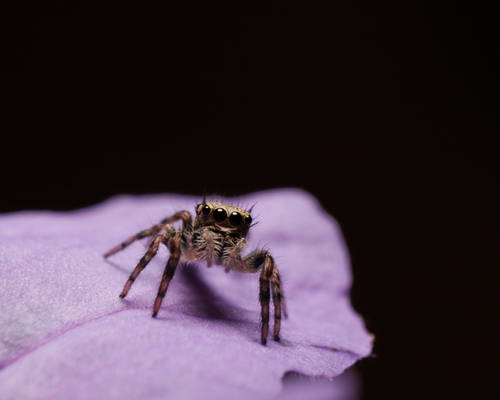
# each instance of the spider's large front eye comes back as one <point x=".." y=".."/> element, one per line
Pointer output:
<point x="248" y="220"/>
<point x="235" y="218"/>
<point x="205" y="210"/>
<point x="220" y="214"/>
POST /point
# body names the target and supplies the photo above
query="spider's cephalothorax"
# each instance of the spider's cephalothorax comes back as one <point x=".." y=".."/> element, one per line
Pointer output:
<point x="217" y="235"/>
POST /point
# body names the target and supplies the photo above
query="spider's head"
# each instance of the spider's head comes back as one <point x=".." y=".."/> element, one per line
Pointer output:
<point x="224" y="216"/>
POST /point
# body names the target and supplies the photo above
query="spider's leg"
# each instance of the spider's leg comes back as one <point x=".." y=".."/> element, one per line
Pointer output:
<point x="187" y="224"/>
<point x="142" y="234"/>
<point x="270" y="272"/>
<point x="277" y="301"/>
<point x="184" y="215"/>
<point x="174" y="245"/>
<point x="152" y="250"/>
<point x="269" y="277"/>
<point x="264" y="305"/>
<point x="232" y="256"/>
<point x="261" y="259"/>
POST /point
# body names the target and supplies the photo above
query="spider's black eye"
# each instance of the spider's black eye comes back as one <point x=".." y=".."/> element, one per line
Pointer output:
<point x="205" y="210"/>
<point x="248" y="219"/>
<point x="220" y="214"/>
<point x="235" y="218"/>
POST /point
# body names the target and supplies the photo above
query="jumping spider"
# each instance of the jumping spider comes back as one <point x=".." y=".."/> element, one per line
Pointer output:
<point x="218" y="235"/>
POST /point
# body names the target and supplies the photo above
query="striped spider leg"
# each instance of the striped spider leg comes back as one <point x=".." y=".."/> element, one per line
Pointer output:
<point x="269" y="283"/>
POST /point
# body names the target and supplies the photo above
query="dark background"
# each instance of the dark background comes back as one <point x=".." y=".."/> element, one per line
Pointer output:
<point x="386" y="112"/>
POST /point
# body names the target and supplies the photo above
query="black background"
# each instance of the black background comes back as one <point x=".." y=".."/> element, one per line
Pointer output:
<point x="386" y="112"/>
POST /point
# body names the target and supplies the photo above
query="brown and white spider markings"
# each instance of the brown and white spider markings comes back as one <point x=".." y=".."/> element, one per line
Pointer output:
<point x="217" y="235"/>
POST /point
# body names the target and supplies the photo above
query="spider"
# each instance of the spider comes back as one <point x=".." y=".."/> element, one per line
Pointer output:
<point x="217" y="236"/>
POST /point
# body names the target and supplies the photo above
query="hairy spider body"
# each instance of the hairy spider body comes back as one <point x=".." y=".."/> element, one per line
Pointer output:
<point x="217" y="236"/>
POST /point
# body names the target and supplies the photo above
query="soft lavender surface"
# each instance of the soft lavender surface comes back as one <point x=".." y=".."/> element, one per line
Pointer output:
<point x="64" y="330"/>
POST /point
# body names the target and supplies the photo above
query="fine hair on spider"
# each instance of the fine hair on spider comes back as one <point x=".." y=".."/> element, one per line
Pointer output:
<point x="217" y="236"/>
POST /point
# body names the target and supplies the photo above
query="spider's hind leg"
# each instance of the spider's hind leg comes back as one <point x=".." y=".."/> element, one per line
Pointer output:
<point x="142" y="234"/>
<point x="187" y="229"/>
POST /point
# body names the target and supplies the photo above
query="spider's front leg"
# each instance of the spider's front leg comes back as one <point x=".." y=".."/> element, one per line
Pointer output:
<point x="174" y="245"/>
<point x="152" y="250"/>
<point x="269" y="276"/>
<point x="269" y="283"/>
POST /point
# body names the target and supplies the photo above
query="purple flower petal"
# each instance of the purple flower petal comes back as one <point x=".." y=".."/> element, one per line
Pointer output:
<point x="64" y="330"/>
